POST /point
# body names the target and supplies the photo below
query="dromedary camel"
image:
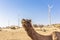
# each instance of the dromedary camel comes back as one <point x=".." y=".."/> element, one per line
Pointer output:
<point x="32" y="33"/>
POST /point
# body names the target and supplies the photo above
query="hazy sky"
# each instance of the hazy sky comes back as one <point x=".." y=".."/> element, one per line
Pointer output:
<point x="37" y="10"/>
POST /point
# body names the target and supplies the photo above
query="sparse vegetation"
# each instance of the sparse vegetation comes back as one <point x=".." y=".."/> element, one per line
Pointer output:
<point x="35" y="25"/>
<point x="41" y="26"/>
<point x="0" y="29"/>
<point x="13" y="28"/>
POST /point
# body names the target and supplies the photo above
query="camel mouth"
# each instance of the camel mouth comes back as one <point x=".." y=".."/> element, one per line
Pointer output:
<point x="23" y="21"/>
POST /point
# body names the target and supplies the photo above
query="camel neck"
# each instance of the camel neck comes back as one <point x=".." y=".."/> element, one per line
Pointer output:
<point x="30" y="31"/>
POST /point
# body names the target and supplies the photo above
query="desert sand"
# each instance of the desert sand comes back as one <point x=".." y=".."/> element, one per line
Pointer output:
<point x="20" y="34"/>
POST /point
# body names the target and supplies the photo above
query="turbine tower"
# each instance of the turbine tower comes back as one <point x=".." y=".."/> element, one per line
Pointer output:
<point x="49" y="13"/>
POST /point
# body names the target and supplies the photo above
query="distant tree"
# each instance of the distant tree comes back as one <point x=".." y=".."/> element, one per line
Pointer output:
<point x="35" y="25"/>
<point x="13" y="28"/>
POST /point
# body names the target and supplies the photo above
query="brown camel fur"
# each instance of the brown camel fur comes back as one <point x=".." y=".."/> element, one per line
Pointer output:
<point x="32" y="33"/>
<point x="56" y="35"/>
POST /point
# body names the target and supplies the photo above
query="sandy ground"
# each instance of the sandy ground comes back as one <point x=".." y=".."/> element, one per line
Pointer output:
<point x="20" y="34"/>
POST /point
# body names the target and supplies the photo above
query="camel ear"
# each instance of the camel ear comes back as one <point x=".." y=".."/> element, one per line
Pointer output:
<point x="23" y="19"/>
<point x="29" y="20"/>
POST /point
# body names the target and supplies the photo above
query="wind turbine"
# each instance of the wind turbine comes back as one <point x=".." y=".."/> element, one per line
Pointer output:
<point x="49" y="13"/>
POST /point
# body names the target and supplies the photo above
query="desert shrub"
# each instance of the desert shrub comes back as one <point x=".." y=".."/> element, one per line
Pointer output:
<point x="41" y="26"/>
<point x="0" y="29"/>
<point x="13" y="28"/>
<point x="44" y="30"/>
<point x="35" y="25"/>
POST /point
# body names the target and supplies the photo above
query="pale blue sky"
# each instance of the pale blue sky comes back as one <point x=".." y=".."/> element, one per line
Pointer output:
<point x="37" y="10"/>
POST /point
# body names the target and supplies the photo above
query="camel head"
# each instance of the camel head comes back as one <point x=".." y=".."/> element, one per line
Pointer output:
<point x="26" y="22"/>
